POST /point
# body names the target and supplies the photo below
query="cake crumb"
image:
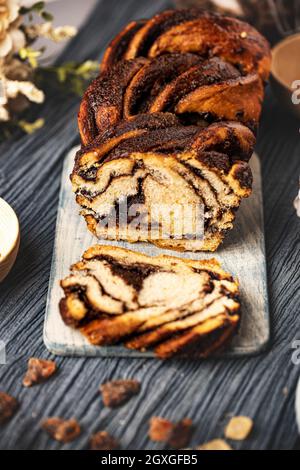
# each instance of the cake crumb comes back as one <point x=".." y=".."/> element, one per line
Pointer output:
<point x="119" y="392"/>
<point x="176" y="435"/>
<point x="61" y="430"/>
<point x="215" y="444"/>
<point x="102" y="440"/>
<point x="39" y="370"/>
<point x="239" y="428"/>
<point x="8" y="407"/>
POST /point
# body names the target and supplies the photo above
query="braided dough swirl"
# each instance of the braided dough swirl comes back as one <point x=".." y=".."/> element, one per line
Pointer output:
<point x="170" y="119"/>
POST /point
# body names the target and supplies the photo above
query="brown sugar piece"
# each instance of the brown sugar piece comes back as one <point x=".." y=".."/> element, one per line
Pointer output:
<point x="119" y="392"/>
<point x="8" y="407"/>
<point x="39" y="370"/>
<point x="61" y="430"/>
<point x="238" y="428"/>
<point x="102" y="440"/>
<point x="181" y="434"/>
<point x="160" y="429"/>
<point x="215" y="444"/>
<point x="176" y="435"/>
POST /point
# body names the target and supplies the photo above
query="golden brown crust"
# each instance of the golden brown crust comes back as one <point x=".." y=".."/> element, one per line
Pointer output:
<point x="178" y="100"/>
<point x="231" y="39"/>
<point x="118" y="46"/>
<point x="101" y="107"/>
<point x="154" y="27"/>
<point x="200" y="32"/>
<point x="128" y="296"/>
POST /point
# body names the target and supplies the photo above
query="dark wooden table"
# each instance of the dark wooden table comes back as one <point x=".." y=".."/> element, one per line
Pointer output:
<point x="261" y="387"/>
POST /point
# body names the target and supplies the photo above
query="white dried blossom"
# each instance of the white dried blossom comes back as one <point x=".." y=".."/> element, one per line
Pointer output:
<point x="4" y="115"/>
<point x="47" y="30"/>
<point x="18" y="59"/>
<point x="2" y="92"/>
<point x="12" y="90"/>
<point x="11" y="37"/>
<point x="28" y="89"/>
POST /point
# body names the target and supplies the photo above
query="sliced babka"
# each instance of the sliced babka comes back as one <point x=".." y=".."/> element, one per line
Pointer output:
<point x="166" y="304"/>
<point x="169" y="123"/>
<point x="176" y="186"/>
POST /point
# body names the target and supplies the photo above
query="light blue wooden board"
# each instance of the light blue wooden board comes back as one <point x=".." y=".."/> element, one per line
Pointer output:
<point x="242" y="254"/>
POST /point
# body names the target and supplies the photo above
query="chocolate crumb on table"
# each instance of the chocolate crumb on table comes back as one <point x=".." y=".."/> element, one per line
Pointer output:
<point x="119" y="392"/>
<point x="39" y="370"/>
<point x="61" y="430"/>
<point x="175" y="435"/>
<point x="160" y="429"/>
<point x="8" y="407"/>
<point x="102" y="440"/>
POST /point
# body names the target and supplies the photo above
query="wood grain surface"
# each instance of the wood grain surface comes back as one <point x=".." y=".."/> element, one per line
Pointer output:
<point x="261" y="387"/>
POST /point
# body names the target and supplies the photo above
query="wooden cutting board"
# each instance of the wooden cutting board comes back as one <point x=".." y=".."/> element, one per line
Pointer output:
<point x="242" y="254"/>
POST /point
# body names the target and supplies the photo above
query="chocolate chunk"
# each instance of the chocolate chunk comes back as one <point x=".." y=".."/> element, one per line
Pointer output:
<point x="181" y="434"/>
<point x="39" y="370"/>
<point x="176" y="435"/>
<point x="119" y="392"/>
<point x="103" y="441"/>
<point x="8" y="407"/>
<point x="61" y="430"/>
<point x="244" y="175"/>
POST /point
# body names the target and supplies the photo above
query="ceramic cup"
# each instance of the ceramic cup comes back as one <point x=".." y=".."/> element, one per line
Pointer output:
<point x="285" y="73"/>
<point x="9" y="238"/>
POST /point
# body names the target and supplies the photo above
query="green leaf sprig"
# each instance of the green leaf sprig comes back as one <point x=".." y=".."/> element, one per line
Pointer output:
<point x="39" y="8"/>
<point x="72" y="76"/>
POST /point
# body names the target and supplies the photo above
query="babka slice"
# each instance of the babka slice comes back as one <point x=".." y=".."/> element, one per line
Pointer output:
<point x="165" y="304"/>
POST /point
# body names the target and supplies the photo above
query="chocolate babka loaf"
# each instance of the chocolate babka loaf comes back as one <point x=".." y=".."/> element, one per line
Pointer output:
<point x="166" y="304"/>
<point x="168" y="127"/>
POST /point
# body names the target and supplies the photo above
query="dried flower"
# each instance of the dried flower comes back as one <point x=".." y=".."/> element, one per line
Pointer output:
<point x="47" y="30"/>
<point x="13" y="87"/>
<point x="75" y="75"/>
<point x="31" y="55"/>
<point x="31" y="127"/>
<point x="11" y="37"/>
<point x="21" y="73"/>
<point x="4" y="116"/>
<point x="16" y="69"/>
